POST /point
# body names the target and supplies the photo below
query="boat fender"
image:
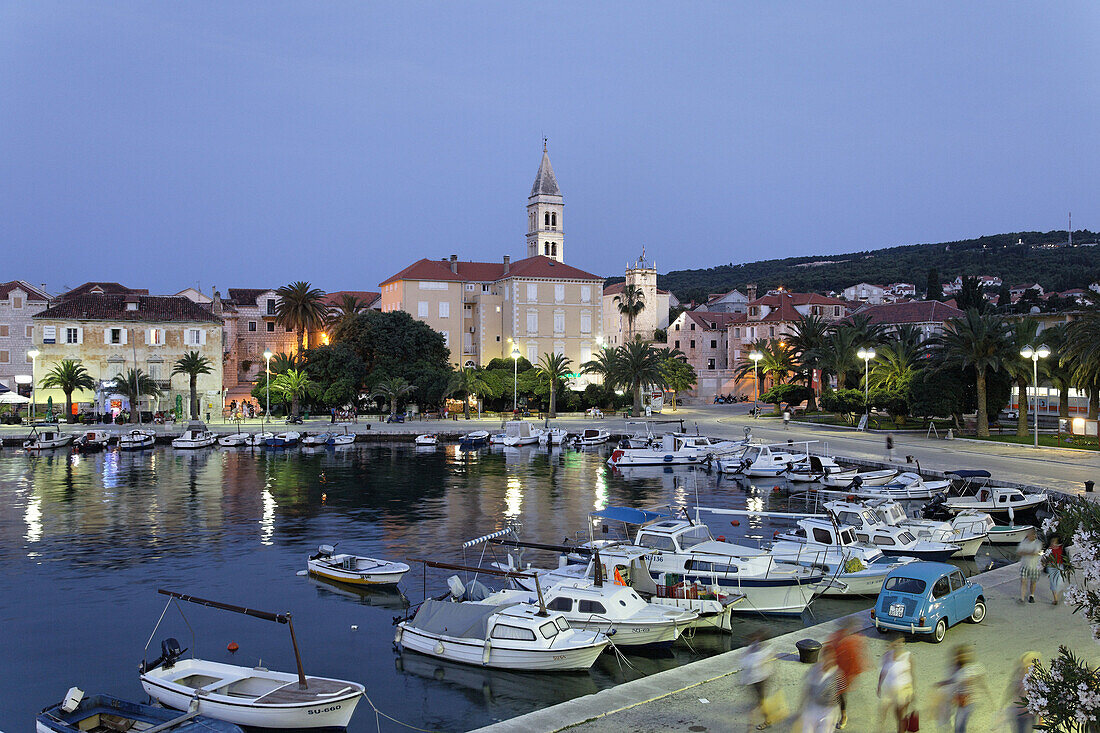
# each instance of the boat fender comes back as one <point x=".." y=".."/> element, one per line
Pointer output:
<point x="485" y="653"/>
<point x="775" y="534"/>
<point x="668" y="459"/>
<point x="439" y="647"/>
<point x="616" y="455"/>
<point x="775" y="488"/>
<point x="397" y="636"/>
<point x="721" y="538"/>
<point x="736" y="522"/>
<point x="232" y="647"/>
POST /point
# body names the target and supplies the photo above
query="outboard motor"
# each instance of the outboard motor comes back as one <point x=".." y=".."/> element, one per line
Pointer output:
<point x="170" y="651"/>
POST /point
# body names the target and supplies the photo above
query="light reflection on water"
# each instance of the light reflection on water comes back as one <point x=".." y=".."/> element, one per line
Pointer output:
<point x="86" y="541"/>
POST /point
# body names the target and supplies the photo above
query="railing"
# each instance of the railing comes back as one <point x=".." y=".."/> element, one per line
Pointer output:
<point x="163" y="384"/>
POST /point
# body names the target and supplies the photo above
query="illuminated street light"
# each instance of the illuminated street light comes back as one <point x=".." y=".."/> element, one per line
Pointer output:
<point x="515" y="379"/>
<point x="866" y="354"/>
<point x="33" y="354"/>
<point x="756" y="356"/>
<point x="1035" y="355"/>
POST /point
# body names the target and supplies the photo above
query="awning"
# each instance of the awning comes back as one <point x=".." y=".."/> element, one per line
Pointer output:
<point x="629" y="515"/>
<point x="969" y="473"/>
<point x="12" y="398"/>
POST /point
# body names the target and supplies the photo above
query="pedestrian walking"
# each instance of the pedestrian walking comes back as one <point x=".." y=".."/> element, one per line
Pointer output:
<point x="819" y="710"/>
<point x="1022" y="718"/>
<point x="846" y="649"/>
<point x="961" y="689"/>
<point x="1029" y="552"/>
<point x="1055" y="561"/>
<point x="890" y="448"/>
<point x="895" y="685"/>
<point x="756" y="670"/>
<point x="786" y="419"/>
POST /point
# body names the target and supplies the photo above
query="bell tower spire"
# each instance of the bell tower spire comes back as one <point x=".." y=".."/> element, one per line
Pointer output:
<point x="544" y="213"/>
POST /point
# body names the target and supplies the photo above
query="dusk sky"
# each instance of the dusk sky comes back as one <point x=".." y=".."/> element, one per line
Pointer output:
<point x="165" y="145"/>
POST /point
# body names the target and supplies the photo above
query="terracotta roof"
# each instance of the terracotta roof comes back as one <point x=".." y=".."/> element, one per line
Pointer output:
<point x="783" y="312"/>
<point x="246" y="296"/>
<point x="102" y="288"/>
<point x="719" y="319"/>
<point x="33" y="293"/>
<point x="151" y="309"/>
<point x="539" y="267"/>
<point x="912" y="311"/>
<point x="616" y="288"/>
<point x="367" y="297"/>
<point x="545" y="182"/>
<point x="798" y="299"/>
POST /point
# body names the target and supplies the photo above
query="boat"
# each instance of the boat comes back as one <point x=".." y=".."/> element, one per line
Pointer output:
<point x="594" y="436"/>
<point x="518" y="432"/>
<point x="497" y="439"/>
<point x="136" y="439"/>
<point x="762" y="460"/>
<point x="814" y="468"/>
<point x="258" y="440"/>
<point x="195" y="436"/>
<point x="997" y="534"/>
<point x="995" y="500"/>
<point x="672" y="449"/>
<point x="427" y="439"/>
<point x="339" y="439"/>
<point x="92" y="440"/>
<point x="519" y="636"/>
<point x="857" y="479"/>
<point x="858" y="515"/>
<point x="354" y="569"/>
<point x="474" y="439"/>
<point x="283" y="440"/>
<point x="234" y="440"/>
<point x="1009" y="534"/>
<point x="553" y="436"/>
<point x="47" y="436"/>
<point x="904" y="486"/>
<point x="107" y="714"/>
<point x="899" y="541"/>
<point x="251" y="696"/>
<point x="316" y="440"/>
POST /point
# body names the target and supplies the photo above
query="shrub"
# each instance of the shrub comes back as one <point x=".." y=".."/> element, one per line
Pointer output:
<point x="891" y="400"/>
<point x="842" y="401"/>
<point x="792" y="394"/>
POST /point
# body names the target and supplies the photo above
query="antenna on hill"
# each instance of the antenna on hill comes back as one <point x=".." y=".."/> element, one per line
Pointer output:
<point x="1071" y="229"/>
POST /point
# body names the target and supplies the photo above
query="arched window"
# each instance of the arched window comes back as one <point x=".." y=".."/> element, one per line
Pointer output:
<point x="546" y="218"/>
<point x="546" y="248"/>
<point x="554" y="249"/>
<point x="554" y="219"/>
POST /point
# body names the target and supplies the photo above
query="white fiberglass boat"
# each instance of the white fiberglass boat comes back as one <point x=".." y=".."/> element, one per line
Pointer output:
<point x="136" y="439"/>
<point x="92" y="440"/>
<point x="195" y="436"/>
<point x="814" y="468"/>
<point x="907" y="485"/>
<point x="518" y="432"/>
<point x="344" y="438"/>
<point x="890" y="540"/>
<point x="47" y="437"/>
<point x="762" y="460"/>
<point x="673" y="449"/>
<point x="996" y="501"/>
<point x="260" y="439"/>
<point x="594" y="436"/>
<point x="516" y="636"/>
<point x="234" y="440"/>
<point x="968" y="532"/>
<point x="427" y="439"/>
<point x="553" y="436"/>
<point x="354" y="569"/>
<point x="317" y="439"/>
<point x="846" y="479"/>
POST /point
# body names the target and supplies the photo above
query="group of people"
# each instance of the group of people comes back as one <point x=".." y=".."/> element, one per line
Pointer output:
<point x="843" y="659"/>
<point x="245" y="410"/>
<point x="1035" y="560"/>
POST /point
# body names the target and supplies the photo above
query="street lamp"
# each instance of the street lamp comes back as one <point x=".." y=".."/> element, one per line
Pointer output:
<point x="756" y="356"/>
<point x="866" y="354"/>
<point x="1035" y="355"/>
<point x="267" y="388"/>
<point x="33" y="354"/>
<point x="515" y="379"/>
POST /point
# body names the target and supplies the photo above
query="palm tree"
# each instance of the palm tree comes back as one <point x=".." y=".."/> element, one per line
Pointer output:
<point x="468" y="381"/>
<point x="556" y="368"/>
<point x="895" y="364"/>
<point x="193" y="364"/>
<point x="866" y="333"/>
<point x="133" y="385"/>
<point x="838" y="355"/>
<point x="1082" y="353"/>
<point x="347" y="305"/>
<point x="283" y="362"/>
<point x="977" y="341"/>
<point x="604" y="365"/>
<point x="638" y="364"/>
<point x="679" y="375"/>
<point x="68" y="375"/>
<point x="302" y="308"/>
<point x="808" y="335"/>
<point x="392" y="389"/>
<point x="1024" y="332"/>
<point x="294" y="385"/>
<point x="630" y="302"/>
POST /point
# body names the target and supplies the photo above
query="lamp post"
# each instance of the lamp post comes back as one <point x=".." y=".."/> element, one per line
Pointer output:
<point x="1035" y="355"/>
<point x="756" y="356"/>
<point x="267" y="388"/>
<point x="866" y="354"/>
<point x="515" y="379"/>
<point x="33" y="354"/>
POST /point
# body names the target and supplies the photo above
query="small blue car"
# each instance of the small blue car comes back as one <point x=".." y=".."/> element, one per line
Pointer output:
<point x="927" y="598"/>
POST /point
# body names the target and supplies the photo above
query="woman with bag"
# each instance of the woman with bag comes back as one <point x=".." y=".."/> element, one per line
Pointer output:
<point x="1055" y="560"/>
<point x="895" y="686"/>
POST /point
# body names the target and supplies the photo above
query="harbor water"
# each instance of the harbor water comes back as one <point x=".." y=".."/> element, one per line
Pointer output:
<point x="88" y="539"/>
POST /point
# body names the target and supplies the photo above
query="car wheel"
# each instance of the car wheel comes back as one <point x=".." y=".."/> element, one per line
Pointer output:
<point x="979" y="612"/>
<point x="940" y="631"/>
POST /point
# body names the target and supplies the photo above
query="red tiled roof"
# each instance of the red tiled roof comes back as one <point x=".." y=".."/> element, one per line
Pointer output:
<point x="798" y="299"/>
<point x="719" y="319"/>
<point x="246" y="296"/>
<point x="538" y="267"/>
<point x="102" y="288"/>
<point x="913" y="311"/>
<point x="616" y="288"/>
<point x="33" y="293"/>
<point x="151" y="309"/>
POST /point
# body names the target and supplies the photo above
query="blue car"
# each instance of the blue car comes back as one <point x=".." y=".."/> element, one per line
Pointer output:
<point x="927" y="598"/>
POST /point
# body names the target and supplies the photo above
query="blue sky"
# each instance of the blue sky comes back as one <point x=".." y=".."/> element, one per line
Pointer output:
<point x="250" y="144"/>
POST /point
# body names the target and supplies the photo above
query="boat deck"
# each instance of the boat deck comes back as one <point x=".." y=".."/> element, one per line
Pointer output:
<point x="318" y="689"/>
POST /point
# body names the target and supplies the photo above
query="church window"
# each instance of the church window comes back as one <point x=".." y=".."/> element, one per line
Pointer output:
<point x="554" y="249"/>
<point x="546" y="248"/>
<point x="554" y="219"/>
<point x="546" y="219"/>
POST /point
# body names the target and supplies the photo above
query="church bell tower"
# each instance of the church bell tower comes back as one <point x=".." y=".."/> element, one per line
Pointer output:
<point x="544" y="213"/>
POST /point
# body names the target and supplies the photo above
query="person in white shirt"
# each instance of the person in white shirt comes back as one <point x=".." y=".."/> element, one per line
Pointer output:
<point x="1030" y="553"/>
<point x="895" y="684"/>
<point x="756" y="670"/>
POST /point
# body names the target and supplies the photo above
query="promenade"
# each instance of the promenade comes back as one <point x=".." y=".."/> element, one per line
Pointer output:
<point x="707" y="696"/>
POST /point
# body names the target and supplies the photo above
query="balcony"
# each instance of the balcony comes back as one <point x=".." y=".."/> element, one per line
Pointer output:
<point x="163" y="385"/>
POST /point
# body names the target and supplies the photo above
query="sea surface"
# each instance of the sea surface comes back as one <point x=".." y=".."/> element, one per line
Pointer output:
<point x="87" y="540"/>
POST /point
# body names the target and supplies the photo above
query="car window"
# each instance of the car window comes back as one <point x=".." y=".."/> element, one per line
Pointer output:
<point x="957" y="580"/>
<point x="941" y="588"/>
<point x="901" y="584"/>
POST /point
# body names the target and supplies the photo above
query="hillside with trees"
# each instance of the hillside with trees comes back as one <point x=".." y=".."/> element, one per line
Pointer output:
<point x="1018" y="257"/>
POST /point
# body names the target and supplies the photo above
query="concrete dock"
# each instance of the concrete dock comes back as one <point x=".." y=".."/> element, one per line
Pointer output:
<point x="707" y="696"/>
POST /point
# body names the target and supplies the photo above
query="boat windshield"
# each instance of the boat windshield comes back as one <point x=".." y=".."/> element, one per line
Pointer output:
<point x="847" y="537"/>
<point x="694" y="536"/>
<point x="548" y="630"/>
<point x="906" y="538"/>
<point x="900" y="584"/>
<point x="562" y="623"/>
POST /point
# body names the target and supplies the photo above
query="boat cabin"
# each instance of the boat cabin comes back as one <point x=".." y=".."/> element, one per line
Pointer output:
<point x="673" y="535"/>
<point x="853" y="515"/>
<point x="517" y="429"/>
<point x="821" y="532"/>
<point x="884" y="535"/>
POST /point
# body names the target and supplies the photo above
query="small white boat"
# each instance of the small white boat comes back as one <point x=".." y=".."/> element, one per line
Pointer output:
<point x="47" y="437"/>
<point x="259" y="439"/>
<point x="136" y="439"/>
<point x="905" y="486"/>
<point x="474" y="439"/>
<point x="515" y="636"/>
<point x="996" y="501"/>
<point x="762" y="460"/>
<point x="317" y="439"/>
<point x="814" y="468"/>
<point x="195" y="436"/>
<point x="846" y="479"/>
<point x="427" y="439"/>
<point x="283" y="440"/>
<point x="341" y="439"/>
<point x="670" y="450"/>
<point x="1009" y="534"/>
<point x="495" y="439"/>
<point x="234" y="440"/>
<point x="882" y="511"/>
<point x="518" y="432"/>
<point x="594" y="436"/>
<point x="92" y="440"/>
<point x="105" y="714"/>
<point x="354" y="569"/>
<point x="553" y="436"/>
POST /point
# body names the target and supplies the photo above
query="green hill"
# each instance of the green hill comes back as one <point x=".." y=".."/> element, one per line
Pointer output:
<point x="1041" y="257"/>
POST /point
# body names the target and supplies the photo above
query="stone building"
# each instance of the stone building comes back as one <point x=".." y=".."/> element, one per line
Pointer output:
<point x="642" y="275"/>
<point x="251" y="329"/>
<point x="19" y="302"/>
<point x="703" y="337"/>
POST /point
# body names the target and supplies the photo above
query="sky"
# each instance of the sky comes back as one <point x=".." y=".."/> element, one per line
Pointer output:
<point x="223" y="144"/>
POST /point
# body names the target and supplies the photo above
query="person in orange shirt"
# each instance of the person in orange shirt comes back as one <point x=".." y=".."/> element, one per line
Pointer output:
<point x="846" y="647"/>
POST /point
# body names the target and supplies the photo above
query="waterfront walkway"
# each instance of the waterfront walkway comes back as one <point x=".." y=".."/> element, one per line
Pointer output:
<point x="707" y="696"/>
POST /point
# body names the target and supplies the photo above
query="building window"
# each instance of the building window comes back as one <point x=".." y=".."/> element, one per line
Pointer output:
<point x="676" y="327"/>
<point x="532" y="352"/>
<point x="710" y="364"/>
<point x="271" y="327"/>
<point x="836" y="311"/>
<point x="532" y="322"/>
<point x="194" y="337"/>
<point x="4" y="357"/>
<point x="115" y="336"/>
<point x="422" y="309"/>
<point x="713" y="344"/>
<point x="559" y="348"/>
<point x="484" y="288"/>
<point x="532" y="293"/>
<point x="30" y="332"/>
<point x="271" y="306"/>
<point x="559" y="322"/>
<point x="554" y="220"/>
<point x="470" y="287"/>
<point x="559" y="293"/>
<point x="444" y="310"/>
<point x="72" y="336"/>
<point x="3" y="330"/>
<point x="16" y="302"/>
<point x="692" y="326"/>
<point x="737" y="333"/>
<point x="289" y="329"/>
<point x="693" y="343"/>
<point x="586" y="293"/>
<point x="251" y="325"/>
<point x="586" y="322"/>
<point x="676" y="344"/>
<point x="554" y="249"/>
<point x="771" y="331"/>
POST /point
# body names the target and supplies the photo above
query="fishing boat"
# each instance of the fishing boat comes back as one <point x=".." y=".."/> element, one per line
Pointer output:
<point x="251" y="696"/>
<point x="354" y="569"/>
<point x="427" y="439"/>
<point x="997" y="501"/>
<point x="553" y="436"/>
<point x="195" y="436"/>
<point x="762" y="460"/>
<point x="518" y="432"/>
<point x="594" y="436"/>
<point x="316" y="439"/>
<point x="106" y="714"/>
<point x="92" y="440"/>
<point x="136" y="439"/>
<point x="342" y="439"/>
<point x="474" y="439"/>
<point x="845" y="479"/>
<point x="904" y="486"/>
<point x="884" y="512"/>
<point x="998" y="534"/>
<point x="814" y="468"/>
<point x="283" y="440"/>
<point x="47" y="436"/>
<point x="234" y="440"/>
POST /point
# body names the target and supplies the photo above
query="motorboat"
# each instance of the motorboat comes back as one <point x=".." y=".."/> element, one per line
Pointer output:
<point x="518" y="432"/>
<point x="594" y="436"/>
<point x="900" y="542"/>
<point x="317" y="439"/>
<point x="47" y="437"/>
<point x="882" y="511"/>
<point x="762" y="460"/>
<point x="671" y="449"/>
<point x="234" y="440"/>
<point x="106" y="714"/>
<point x="136" y="439"/>
<point x="427" y="439"/>
<point x="259" y="440"/>
<point x="92" y="440"/>
<point x="904" y="486"/>
<point x="497" y="439"/>
<point x="195" y="436"/>
<point x="1009" y="534"/>
<point x="997" y="501"/>
<point x="474" y="439"/>
<point x="283" y="440"/>
<point x="326" y="563"/>
<point x="248" y="696"/>
<point x="643" y="437"/>
<point x="553" y="436"/>
<point x="519" y="636"/>
<point x="339" y="439"/>
<point x="845" y="479"/>
<point x="814" y="468"/>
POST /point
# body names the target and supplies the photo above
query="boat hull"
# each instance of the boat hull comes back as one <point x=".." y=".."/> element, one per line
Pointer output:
<point x="929" y="555"/>
<point x="355" y="578"/>
<point x="1009" y="536"/>
<point x="500" y="656"/>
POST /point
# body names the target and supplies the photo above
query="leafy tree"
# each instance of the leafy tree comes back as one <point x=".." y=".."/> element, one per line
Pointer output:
<point x="392" y="389"/>
<point x="637" y="364"/>
<point x="133" y="385"/>
<point x="792" y="394"/>
<point x="282" y="362"/>
<point x="68" y="375"/>
<point x="970" y="296"/>
<point x="521" y="364"/>
<point x="192" y="364"/>
<point x="933" y="287"/>
<point x="603" y="364"/>
<point x="555" y="369"/>
<point x="864" y="332"/>
<point x="469" y="381"/>
<point x="302" y="308"/>
<point x="893" y="401"/>
<point x="938" y="393"/>
<point x="339" y="372"/>
<point x="846" y="402"/>
<point x="838" y="355"/>
<point x="295" y="385"/>
<point x="894" y="365"/>
<point x="347" y="305"/>
<point x="977" y="341"/>
<point x="1004" y="299"/>
<point x="630" y="302"/>
<point x="679" y="374"/>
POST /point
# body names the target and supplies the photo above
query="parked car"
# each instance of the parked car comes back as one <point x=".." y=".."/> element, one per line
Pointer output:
<point x="927" y="598"/>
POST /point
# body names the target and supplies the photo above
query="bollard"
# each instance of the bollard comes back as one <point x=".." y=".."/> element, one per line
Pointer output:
<point x="1088" y="486"/>
<point x="808" y="650"/>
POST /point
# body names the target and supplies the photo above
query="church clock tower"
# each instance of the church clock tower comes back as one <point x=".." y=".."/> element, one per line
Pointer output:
<point x="544" y="214"/>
